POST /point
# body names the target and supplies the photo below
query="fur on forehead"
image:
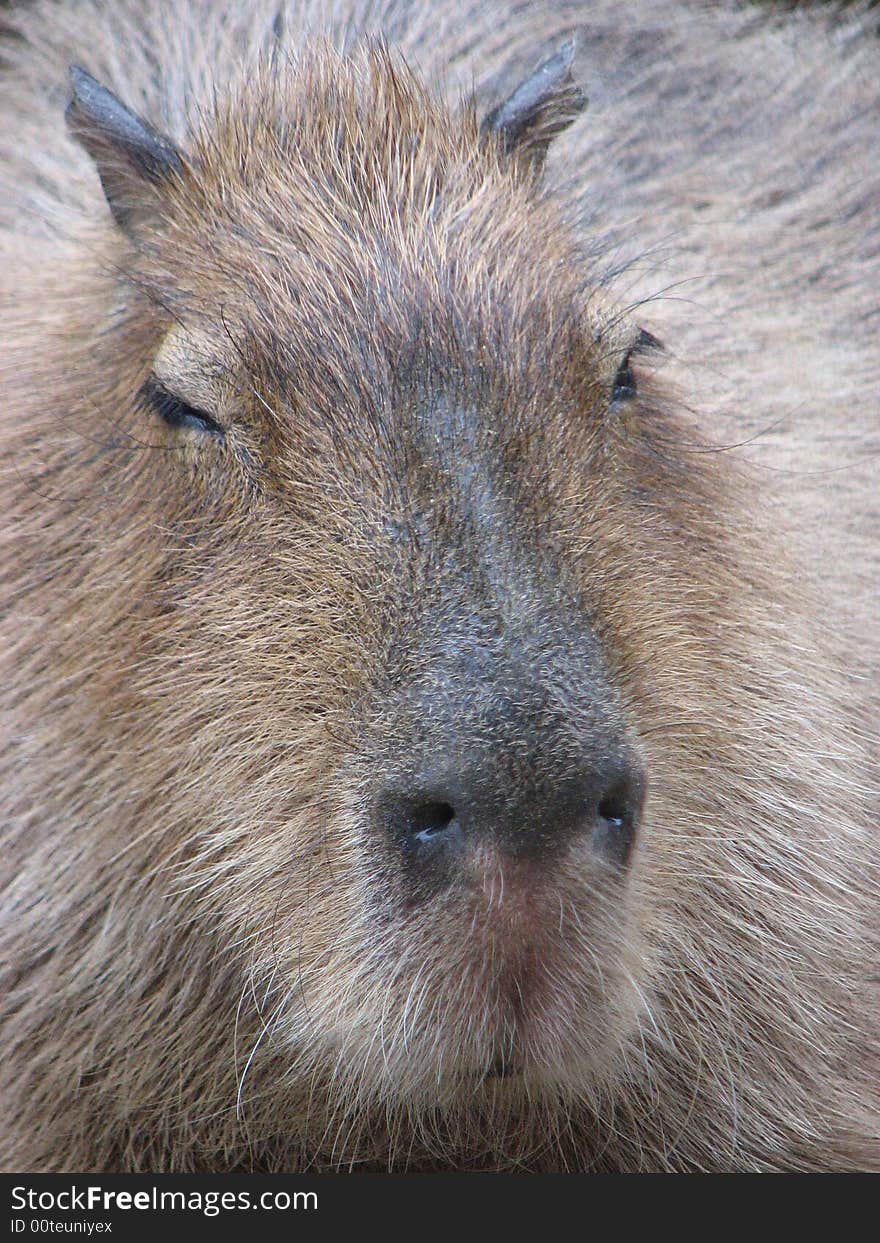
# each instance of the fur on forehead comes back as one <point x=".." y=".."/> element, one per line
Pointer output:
<point x="354" y="140"/>
<point x="339" y="183"/>
<point x="330" y="187"/>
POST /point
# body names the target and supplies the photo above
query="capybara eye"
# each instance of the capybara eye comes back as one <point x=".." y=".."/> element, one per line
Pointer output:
<point x="176" y="412"/>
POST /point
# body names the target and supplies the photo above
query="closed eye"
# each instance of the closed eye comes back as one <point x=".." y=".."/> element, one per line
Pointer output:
<point x="175" y="412"/>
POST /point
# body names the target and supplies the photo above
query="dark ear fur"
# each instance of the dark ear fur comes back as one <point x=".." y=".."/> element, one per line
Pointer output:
<point x="128" y="152"/>
<point x="543" y="105"/>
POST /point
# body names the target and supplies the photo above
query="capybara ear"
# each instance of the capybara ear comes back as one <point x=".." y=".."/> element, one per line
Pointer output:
<point x="543" y="105"/>
<point x="129" y="154"/>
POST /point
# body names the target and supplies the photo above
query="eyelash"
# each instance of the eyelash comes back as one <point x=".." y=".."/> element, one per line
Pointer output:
<point x="177" y="413"/>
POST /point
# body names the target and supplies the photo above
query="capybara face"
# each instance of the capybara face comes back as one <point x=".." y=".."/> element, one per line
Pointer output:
<point x="425" y="691"/>
<point x="404" y="565"/>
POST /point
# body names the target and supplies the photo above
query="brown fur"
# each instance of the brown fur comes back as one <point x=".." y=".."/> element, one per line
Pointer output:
<point x="208" y="959"/>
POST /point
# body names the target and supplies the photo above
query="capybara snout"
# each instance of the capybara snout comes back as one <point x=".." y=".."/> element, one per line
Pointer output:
<point x="509" y="741"/>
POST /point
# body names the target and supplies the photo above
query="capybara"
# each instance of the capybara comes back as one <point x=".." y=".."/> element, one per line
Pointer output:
<point x="439" y="537"/>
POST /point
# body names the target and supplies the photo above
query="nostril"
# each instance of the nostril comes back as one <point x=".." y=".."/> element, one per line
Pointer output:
<point x="439" y="817"/>
<point x="430" y="820"/>
<point x="428" y="828"/>
<point x="614" y="830"/>
<point x="613" y="810"/>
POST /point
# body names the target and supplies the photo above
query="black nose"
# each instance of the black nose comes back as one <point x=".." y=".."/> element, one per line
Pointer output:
<point x="528" y="807"/>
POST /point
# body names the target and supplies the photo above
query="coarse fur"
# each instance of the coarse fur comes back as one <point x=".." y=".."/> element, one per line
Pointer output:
<point x="212" y="643"/>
